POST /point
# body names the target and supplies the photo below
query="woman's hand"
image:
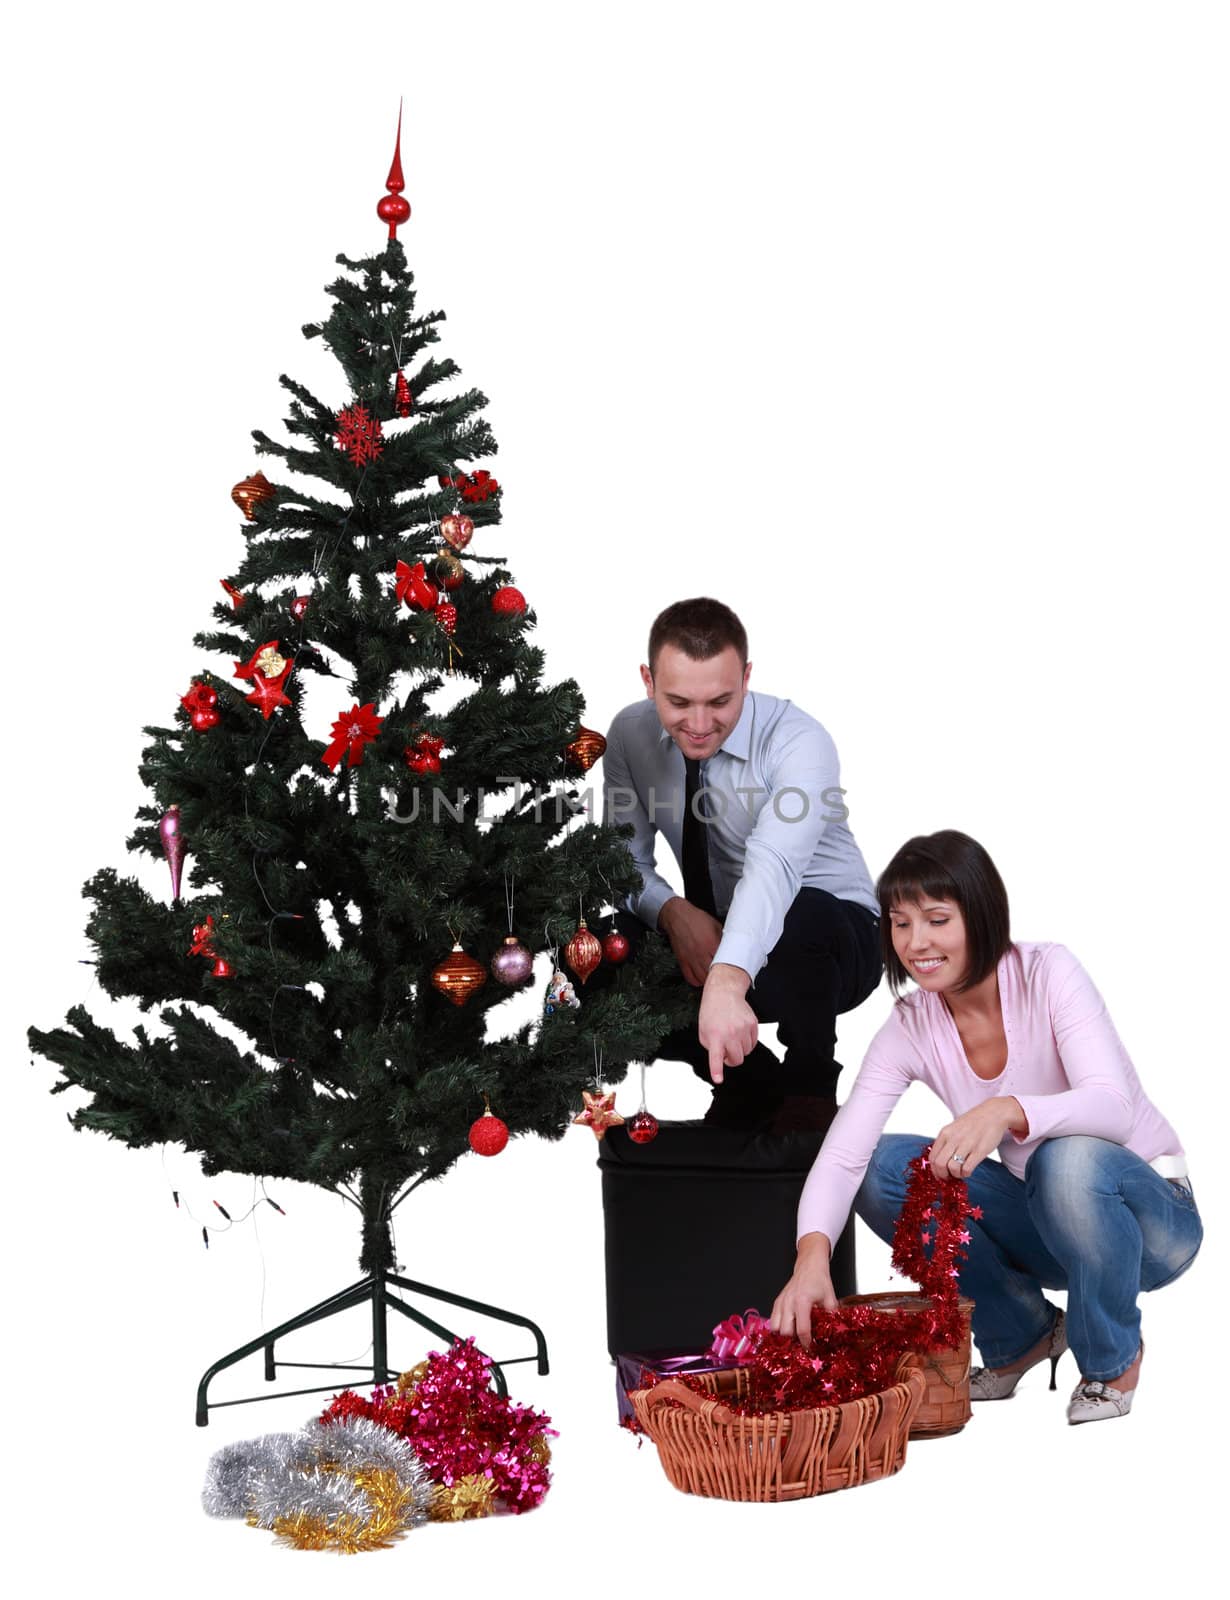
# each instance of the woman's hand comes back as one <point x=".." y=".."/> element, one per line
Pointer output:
<point x="961" y="1145"/>
<point x="811" y="1285"/>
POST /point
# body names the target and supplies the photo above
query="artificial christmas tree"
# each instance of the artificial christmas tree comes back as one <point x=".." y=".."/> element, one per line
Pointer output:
<point x="343" y="822"/>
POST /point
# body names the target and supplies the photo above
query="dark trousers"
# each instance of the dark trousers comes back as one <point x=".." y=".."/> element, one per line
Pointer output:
<point x="827" y="961"/>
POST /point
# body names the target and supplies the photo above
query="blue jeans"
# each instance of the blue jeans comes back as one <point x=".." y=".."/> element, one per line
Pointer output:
<point x="1089" y="1217"/>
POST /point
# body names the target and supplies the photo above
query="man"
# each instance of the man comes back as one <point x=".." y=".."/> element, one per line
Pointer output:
<point x="778" y="921"/>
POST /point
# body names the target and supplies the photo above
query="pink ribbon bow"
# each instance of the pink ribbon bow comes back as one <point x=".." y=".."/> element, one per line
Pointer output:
<point x="732" y="1339"/>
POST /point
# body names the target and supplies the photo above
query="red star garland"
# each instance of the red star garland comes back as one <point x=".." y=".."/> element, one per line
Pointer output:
<point x="481" y="486"/>
<point x="855" y="1350"/>
<point x="458" y="1427"/>
<point x="359" y="434"/>
<point x="352" y="730"/>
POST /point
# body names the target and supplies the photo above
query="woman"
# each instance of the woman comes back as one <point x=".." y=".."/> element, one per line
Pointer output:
<point x="1090" y="1193"/>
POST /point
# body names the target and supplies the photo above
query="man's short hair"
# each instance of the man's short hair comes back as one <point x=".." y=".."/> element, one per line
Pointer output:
<point x="701" y="628"/>
<point x="947" y="866"/>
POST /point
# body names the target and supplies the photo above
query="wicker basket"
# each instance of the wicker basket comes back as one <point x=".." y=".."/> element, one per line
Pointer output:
<point x="945" y="1407"/>
<point x="707" y="1449"/>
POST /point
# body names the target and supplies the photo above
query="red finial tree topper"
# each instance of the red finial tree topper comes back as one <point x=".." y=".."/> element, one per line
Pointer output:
<point x="393" y="208"/>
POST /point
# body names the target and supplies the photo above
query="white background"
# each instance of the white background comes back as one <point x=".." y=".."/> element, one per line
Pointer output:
<point x="902" y="329"/>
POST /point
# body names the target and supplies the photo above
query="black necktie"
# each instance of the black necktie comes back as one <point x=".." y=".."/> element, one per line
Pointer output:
<point x="697" y="885"/>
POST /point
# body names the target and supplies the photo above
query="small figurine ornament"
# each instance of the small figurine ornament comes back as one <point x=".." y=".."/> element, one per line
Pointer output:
<point x="560" y="993"/>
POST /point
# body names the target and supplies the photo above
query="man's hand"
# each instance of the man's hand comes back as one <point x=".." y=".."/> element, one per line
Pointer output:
<point x="727" y="1026"/>
<point x="694" y="937"/>
<point x="974" y="1134"/>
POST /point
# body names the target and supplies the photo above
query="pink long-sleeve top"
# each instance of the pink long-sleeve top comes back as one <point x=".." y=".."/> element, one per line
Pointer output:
<point x="1066" y="1065"/>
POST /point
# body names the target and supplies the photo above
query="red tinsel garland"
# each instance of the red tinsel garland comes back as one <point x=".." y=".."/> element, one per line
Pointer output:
<point x="855" y="1350"/>
<point x="459" y="1426"/>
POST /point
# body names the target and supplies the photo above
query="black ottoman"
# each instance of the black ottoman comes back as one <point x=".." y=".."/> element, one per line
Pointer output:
<point x="700" y="1224"/>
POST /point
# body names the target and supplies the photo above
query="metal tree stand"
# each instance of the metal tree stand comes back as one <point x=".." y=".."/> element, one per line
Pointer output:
<point x="375" y="1288"/>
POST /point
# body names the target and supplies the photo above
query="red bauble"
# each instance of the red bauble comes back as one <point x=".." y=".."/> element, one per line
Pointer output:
<point x="643" y="1128"/>
<point x="393" y="209"/>
<point x="458" y="976"/>
<point x="447" y="570"/>
<point x="488" y="1135"/>
<point x="446" y="615"/>
<point x="581" y="752"/>
<point x="298" y="607"/>
<point x="199" y="703"/>
<point x="508" y="602"/>
<point x="583" y="953"/>
<point x="414" y="588"/>
<point x="252" y="492"/>
<point x="403" y="400"/>
<point x="615" y="948"/>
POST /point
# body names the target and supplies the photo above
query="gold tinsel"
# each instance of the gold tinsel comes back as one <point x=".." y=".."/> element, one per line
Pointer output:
<point x="410" y="1380"/>
<point x="540" y="1450"/>
<point x="471" y="1496"/>
<point x="391" y="1503"/>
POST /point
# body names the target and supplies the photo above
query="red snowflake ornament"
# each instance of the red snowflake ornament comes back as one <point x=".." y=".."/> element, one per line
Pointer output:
<point x="359" y="434"/>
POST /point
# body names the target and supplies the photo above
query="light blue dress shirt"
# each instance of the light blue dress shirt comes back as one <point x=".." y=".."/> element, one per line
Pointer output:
<point x="776" y="818"/>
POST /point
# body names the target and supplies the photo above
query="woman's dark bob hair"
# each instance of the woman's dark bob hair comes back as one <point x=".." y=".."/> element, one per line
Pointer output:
<point x="947" y="866"/>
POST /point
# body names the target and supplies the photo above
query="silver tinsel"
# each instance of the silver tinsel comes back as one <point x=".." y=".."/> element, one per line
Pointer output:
<point x="308" y="1473"/>
<point x="234" y="1469"/>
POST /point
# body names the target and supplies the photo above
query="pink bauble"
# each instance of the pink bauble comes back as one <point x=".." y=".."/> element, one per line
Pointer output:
<point x="512" y="963"/>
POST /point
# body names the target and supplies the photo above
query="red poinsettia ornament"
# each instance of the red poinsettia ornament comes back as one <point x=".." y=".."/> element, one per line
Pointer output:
<point x="352" y="731"/>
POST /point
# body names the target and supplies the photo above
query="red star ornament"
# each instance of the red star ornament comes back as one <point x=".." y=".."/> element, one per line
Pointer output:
<point x="268" y="691"/>
<point x="599" y="1114"/>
